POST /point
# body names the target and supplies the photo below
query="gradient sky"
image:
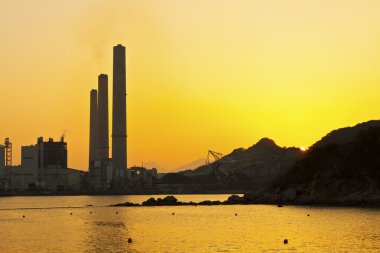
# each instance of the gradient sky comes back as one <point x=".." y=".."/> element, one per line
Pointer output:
<point x="201" y="75"/>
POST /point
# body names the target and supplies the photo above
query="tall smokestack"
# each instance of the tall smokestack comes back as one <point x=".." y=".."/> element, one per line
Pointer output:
<point x="119" y="113"/>
<point x="93" y="124"/>
<point x="102" y="135"/>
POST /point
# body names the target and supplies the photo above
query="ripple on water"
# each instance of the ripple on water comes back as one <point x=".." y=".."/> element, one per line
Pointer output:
<point x="114" y="224"/>
<point x="192" y="229"/>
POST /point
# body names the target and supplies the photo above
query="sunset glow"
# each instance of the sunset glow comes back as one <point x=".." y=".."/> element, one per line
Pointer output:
<point x="201" y="75"/>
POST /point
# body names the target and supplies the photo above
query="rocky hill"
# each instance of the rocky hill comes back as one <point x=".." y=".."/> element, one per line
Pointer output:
<point x="346" y="134"/>
<point x="336" y="170"/>
<point x="252" y="168"/>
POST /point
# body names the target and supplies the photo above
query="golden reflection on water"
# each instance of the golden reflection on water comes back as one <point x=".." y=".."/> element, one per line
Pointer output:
<point x="191" y="229"/>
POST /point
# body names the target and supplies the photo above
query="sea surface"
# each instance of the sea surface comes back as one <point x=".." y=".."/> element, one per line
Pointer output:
<point x="67" y="224"/>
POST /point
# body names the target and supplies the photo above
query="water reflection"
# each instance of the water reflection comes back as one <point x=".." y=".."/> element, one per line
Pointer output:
<point x="192" y="229"/>
<point x="106" y="231"/>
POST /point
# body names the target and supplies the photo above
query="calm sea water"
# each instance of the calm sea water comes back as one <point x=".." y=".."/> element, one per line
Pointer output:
<point x="49" y="226"/>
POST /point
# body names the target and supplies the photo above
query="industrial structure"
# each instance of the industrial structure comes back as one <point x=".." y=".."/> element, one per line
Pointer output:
<point x="51" y="154"/>
<point x="217" y="156"/>
<point x="93" y="125"/>
<point x="2" y="161"/>
<point x="119" y="116"/>
<point x="5" y="157"/>
<point x="105" y="173"/>
<point x="43" y="167"/>
<point x="141" y="178"/>
<point x="102" y="148"/>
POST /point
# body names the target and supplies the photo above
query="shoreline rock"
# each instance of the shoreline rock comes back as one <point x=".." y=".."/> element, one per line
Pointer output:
<point x="267" y="199"/>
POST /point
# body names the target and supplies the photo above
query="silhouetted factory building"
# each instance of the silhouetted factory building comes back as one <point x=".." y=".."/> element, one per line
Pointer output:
<point x="141" y="178"/>
<point x="52" y="153"/>
<point x="44" y="166"/>
<point x="2" y="160"/>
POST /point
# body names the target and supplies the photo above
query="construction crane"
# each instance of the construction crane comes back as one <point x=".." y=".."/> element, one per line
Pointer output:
<point x="214" y="154"/>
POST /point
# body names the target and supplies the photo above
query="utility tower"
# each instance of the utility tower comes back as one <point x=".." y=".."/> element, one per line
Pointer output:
<point x="8" y="152"/>
<point x="8" y="155"/>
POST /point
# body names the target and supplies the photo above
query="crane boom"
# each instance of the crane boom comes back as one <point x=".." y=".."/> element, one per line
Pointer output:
<point x="214" y="154"/>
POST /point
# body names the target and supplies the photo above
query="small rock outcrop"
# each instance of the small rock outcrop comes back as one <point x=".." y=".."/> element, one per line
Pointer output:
<point x="126" y="204"/>
<point x="250" y="197"/>
<point x="209" y="203"/>
<point x="167" y="201"/>
<point x="150" y="202"/>
<point x="236" y="199"/>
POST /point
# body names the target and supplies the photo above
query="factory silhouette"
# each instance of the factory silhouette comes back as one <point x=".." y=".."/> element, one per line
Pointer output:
<point x="44" y="165"/>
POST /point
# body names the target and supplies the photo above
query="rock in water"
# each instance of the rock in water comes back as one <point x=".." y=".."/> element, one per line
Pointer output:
<point x="167" y="201"/>
<point x="250" y="197"/>
<point x="235" y="199"/>
<point x="150" y="202"/>
<point x="170" y="199"/>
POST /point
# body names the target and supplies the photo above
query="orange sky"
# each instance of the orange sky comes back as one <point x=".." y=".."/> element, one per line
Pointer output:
<point x="211" y="74"/>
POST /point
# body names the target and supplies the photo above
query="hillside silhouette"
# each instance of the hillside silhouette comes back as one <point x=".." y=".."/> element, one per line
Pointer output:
<point x="346" y="134"/>
<point x="253" y="168"/>
<point x="341" y="168"/>
<point x="337" y="171"/>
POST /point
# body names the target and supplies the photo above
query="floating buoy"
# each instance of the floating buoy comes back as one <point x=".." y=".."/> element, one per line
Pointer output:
<point x="23" y="216"/>
<point x="129" y="240"/>
<point x="235" y="214"/>
<point x="90" y="212"/>
<point x="172" y="213"/>
<point x="71" y="213"/>
<point x="286" y="241"/>
<point x="308" y="214"/>
<point x="117" y="212"/>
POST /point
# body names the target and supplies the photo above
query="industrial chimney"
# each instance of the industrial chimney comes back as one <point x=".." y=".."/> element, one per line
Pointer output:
<point x="102" y="118"/>
<point x="119" y="114"/>
<point x="93" y="125"/>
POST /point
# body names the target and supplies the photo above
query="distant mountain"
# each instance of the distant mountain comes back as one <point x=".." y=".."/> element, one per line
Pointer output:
<point x="346" y="134"/>
<point x="192" y="165"/>
<point x="255" y="167"/>
<point x="151" y="165"/>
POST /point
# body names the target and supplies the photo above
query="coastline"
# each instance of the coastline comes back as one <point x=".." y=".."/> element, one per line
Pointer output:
<point x="249" y="199"/>
<point x="236" y="198"/>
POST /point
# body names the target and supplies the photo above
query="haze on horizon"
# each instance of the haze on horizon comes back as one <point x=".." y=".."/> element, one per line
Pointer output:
<point x="201" y="75"/>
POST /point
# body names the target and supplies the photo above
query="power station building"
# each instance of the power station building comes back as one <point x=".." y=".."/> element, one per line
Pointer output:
<point x="106" y="173"/>
<point x="44" y="166"/>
